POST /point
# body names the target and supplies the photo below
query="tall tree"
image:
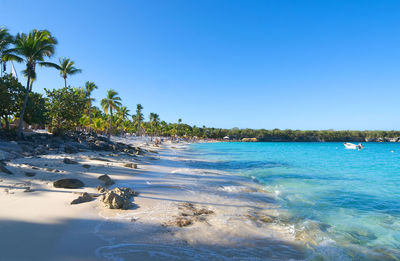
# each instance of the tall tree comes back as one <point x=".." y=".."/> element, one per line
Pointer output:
<point x="66" y="67"/>
<point x="138" y="118"/>
<point x="5" y="40"/>
<point x="123" y="113"/>
<point x="154" y="119"/>
<point x="89" y="88"/>
<point x="31" y="49"/>
<point x="65" y="108"/>
<point x="110" y="103"/>
<point x="122" y="116"/>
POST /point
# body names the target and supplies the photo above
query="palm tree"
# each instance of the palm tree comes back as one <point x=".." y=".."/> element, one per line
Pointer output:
<point x="31" y="49"/>
<point x="122" y="115"/>
<point x="5" y="40"/>
<point x="89" y="88"/>
<point x="110" y="103"/>
<point x="66" y="67"/>
<point x="138" y="118"/>
<point x="98" y="125"/>
<point x="154" y="121"/>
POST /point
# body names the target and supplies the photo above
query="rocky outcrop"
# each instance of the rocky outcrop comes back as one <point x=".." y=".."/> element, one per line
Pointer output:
<point x="68" y="183"/>
<point x="85" y="197"/>
<point x="118" y="198"/>
<point x="107" y="180"/>
<point x="36" y="144"/>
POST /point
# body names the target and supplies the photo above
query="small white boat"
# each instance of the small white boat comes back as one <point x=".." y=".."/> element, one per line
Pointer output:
<point x="352" y="146"/>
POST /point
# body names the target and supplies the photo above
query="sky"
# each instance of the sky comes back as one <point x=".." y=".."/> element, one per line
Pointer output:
<point x="229" y="63"/>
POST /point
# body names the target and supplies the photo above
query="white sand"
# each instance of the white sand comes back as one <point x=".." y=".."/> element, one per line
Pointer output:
<point x="42" y="225"/>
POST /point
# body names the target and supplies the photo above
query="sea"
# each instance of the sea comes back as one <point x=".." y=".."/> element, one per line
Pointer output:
<point x="346" y="201"/>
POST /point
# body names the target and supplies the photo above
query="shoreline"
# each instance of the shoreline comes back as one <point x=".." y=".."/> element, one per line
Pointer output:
<point x="180" y="211"/>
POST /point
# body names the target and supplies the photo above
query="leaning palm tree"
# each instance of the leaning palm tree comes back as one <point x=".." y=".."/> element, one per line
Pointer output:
<point x="66" y="67"/>
<point x="89" y="88"/>
<point x="31" y="49"/>
<point x="5" y="41"/>
<point x="110" y="103"/>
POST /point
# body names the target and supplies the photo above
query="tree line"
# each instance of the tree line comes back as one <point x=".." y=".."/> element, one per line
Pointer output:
<point x="71" y="108"/>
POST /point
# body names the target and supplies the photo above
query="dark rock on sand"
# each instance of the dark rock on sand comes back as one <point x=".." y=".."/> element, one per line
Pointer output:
<point x="85" y="197"/>
<point x="100" y="159"/>
<point x="4" y="169"/>
<point x="51" y="170"/>
<point x="118" y="198"/>
<point x="86" y="166"/>
<point x="69" y="161"/>
<point x="107" y="180"/>
<point x="68" y="183"/>
<point x="130" y="165"/>
<point x="70" y="149"/>
<point x="30" y="174"/>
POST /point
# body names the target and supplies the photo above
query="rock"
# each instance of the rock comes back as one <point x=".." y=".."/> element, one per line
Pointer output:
<point x="86" y="166"/>
<point x="99" y="159"/>
<point x="10" y="146"/>
<point x="101" y="145"/>
<point x="28" y="189"/>
<point x="100" y="189"/>
<point x="68" y="183"/>
<point x="130" y="165"/>
<point x="30" y="174"/>
<point x="69" y="161"/>
<point x="118" y="198"/>
<point x="107" y="180"/>
<point x="85" y="197"/>
<point x="266" y="219"/>
<point x="4" y="155"/>
<point x="70" y="149"/>
<point x="35" y="168"/>
<point x="183" y="222"/>
<point x="51" y="170"/>
<point x="4" y="169"/>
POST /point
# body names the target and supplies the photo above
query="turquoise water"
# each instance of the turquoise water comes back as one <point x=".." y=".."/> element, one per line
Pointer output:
<point x="346" y="201"/>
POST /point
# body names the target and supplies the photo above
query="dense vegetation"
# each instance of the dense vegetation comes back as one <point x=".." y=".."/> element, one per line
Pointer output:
<point x="71" y="108"/>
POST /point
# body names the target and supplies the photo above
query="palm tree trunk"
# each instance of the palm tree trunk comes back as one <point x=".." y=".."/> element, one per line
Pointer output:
<point x="109" y="129"/>
<point x="65" y="81"/>
<point x="21" y="117"/>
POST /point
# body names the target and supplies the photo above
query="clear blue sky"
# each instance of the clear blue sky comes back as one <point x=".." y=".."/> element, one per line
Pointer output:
<point x="258" y="64"/>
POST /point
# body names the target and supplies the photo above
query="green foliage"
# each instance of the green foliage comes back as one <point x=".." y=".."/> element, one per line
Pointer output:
<point x="11" y="92"/>
<point x="36" y="112"/>
<point x="65" y="108"/>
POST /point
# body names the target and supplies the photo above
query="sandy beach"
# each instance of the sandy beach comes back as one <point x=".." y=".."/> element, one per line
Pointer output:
<point x="180" y="212"/>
